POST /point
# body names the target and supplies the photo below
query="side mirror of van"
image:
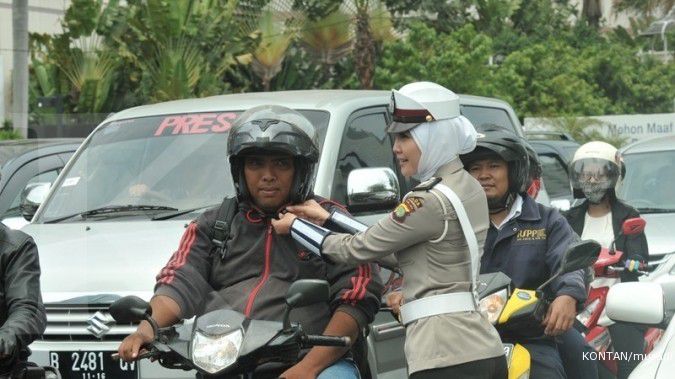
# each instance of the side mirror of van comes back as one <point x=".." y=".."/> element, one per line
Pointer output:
<point x="31" y="197"/>
<point x="636" y="302"/>
<point x="372" y="189"/>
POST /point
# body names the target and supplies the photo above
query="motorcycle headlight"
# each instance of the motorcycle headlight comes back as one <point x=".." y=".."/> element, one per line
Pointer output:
<point x="492" y="305"/>
<point x="214" y="353"/>
<point x="585" y="316"/>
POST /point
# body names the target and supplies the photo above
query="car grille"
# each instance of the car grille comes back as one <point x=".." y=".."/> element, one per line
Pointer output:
<point x="70" y="322"/>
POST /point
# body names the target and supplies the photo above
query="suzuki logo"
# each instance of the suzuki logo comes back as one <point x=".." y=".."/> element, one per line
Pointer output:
<point x="99" y="324"/>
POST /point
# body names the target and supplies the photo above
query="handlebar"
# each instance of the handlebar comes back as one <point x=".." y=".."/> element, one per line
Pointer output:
<point x="622" y="269"/>
<point x="317" y="340"/>
<point x="147" y="354"/>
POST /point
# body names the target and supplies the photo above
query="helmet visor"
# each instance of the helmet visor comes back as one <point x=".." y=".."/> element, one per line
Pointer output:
<point x="274" y="136"/>
<point x="595" y="172"/>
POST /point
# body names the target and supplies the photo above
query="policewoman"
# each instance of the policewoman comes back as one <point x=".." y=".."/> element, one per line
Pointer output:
<point x="436" y="234"/>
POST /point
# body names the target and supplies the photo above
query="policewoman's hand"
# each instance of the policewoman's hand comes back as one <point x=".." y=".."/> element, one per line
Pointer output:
<point x="560" y="315"/>
<point x="283" y="224"/>
<point x="394" y="301"/>
<point x="310" y="210"/>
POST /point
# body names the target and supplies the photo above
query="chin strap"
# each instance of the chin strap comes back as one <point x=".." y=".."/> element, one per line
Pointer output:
<point x="309" y="235"/>
<point x="502" y="204"/>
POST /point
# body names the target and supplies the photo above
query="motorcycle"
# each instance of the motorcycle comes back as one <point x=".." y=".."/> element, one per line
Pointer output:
<point x="517" y="313"/>
<point x="225" y="343"/>
<point x="595" y="322"/>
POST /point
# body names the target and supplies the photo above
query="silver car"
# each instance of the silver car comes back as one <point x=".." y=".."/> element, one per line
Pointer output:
<point x="648" y="186"/>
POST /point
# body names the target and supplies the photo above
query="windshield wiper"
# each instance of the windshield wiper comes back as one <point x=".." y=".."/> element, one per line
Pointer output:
<point x="111" y="209"/>
<point x="656" y="210"/>
<point x="166" y="216"/>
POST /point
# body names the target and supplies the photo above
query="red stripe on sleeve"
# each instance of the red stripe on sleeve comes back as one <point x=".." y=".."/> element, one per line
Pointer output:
<point x="178" y="258"/>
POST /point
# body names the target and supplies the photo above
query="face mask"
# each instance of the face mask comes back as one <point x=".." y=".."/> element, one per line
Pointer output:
<point x="594" y="192"/>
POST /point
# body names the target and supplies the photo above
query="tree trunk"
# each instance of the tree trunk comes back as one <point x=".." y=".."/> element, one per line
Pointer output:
<point x="364" y="51"/>
<point x="592" y="12"/>
<point x="20" y="66"/>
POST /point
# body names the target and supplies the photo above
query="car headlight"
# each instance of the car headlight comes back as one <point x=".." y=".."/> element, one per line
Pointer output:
<point x="585" y="316"/>
<point x="492" y="305"/>
<point x="214" y="353"/>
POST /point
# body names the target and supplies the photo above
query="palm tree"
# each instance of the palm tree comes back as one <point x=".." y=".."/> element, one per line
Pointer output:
<point x="89" y="71"/>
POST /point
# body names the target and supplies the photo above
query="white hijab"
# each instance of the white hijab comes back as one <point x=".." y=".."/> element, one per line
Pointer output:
<point x="440" y="142"/>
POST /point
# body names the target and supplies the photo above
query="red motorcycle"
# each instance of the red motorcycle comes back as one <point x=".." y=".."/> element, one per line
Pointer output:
<point x="607" y="270"/>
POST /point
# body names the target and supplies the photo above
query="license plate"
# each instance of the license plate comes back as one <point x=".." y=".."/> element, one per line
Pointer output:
<point x="508" y="351"/>
<point x="91" y="365"/>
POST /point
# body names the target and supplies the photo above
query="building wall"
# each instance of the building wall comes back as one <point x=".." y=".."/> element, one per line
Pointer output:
<point x="44" y="16"/>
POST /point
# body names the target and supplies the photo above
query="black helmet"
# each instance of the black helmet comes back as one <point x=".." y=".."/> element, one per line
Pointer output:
<point x="506" y="146"/>
<point x="274" y="129"/>
<point x="536" y="170"/>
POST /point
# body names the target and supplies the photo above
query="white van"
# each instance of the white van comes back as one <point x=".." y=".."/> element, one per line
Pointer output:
<point x="117" y="211"/>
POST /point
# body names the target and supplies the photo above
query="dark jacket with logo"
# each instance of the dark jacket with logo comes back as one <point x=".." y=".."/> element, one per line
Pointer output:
<point x="529" y="249"/>
<point x="633" y="246"/>
<point x="22" y="314"/>
<point x="259" y="267"/>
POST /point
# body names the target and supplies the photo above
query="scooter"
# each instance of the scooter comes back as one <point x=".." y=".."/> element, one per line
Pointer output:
<point x="607" y="270"/>
<point x="517" y="314"/>
<point x="226" y="343"/>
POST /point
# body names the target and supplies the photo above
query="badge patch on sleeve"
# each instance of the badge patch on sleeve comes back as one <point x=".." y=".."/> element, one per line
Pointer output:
<point x="407" y="207"/>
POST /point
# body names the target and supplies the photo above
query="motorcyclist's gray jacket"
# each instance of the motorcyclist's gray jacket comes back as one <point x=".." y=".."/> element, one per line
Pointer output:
<point x="431" y="267"/>
<point x="258" y="269"/>
<point x="22" y="314"/>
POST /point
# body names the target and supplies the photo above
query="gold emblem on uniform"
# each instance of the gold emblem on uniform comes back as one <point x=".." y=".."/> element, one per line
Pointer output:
<point x="407" y="207"/>
<point x="531" y="235"/>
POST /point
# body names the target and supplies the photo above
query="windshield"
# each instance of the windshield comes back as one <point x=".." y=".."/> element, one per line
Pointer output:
<point x="649" y="181"/>
<point x="150" y="165"/>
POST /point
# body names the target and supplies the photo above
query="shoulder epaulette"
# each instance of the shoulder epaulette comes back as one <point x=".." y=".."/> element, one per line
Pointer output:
<point x="427" y="185"/>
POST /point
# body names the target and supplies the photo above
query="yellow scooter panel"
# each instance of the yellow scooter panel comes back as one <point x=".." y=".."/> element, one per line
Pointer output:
<point x="519" y="364"/>
<point x="519" y="299"/>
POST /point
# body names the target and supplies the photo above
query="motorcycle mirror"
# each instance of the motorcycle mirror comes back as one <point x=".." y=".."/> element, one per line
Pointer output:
<point x="306" y="292"/>
<point x="580" y="255"/>
<point x="130" y="309"/>
<point x="633" y="226"/>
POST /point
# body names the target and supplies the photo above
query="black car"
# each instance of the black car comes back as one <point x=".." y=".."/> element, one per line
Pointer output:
<point x="23" y="162"/>
<point x="555" y="151"/>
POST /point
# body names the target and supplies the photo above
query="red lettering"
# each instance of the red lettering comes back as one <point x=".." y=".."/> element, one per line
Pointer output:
<point x="200" y="121"/>
<point x="167" y="122"/>
<point x="224" y="121"/>
<point x="183" y="125"/>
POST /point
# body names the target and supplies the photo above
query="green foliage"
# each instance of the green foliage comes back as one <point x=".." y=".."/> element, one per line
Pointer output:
<point x="81" y="17"/>
<point x="7" y="132"/>
<point x="534" y="54"/>
<point x="458" y="60"/>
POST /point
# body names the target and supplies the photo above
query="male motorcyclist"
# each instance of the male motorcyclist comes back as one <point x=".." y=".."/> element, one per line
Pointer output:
<point x="272" y="152"/>
<point x="22" y="314"/>
<point x="526" y="241"/>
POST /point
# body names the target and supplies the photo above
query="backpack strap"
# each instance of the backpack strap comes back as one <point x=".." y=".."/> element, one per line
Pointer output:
<point x="221" y="228"/>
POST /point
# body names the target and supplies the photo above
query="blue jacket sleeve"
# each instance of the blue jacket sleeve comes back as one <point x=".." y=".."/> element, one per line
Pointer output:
<point x="560" y="237"/>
